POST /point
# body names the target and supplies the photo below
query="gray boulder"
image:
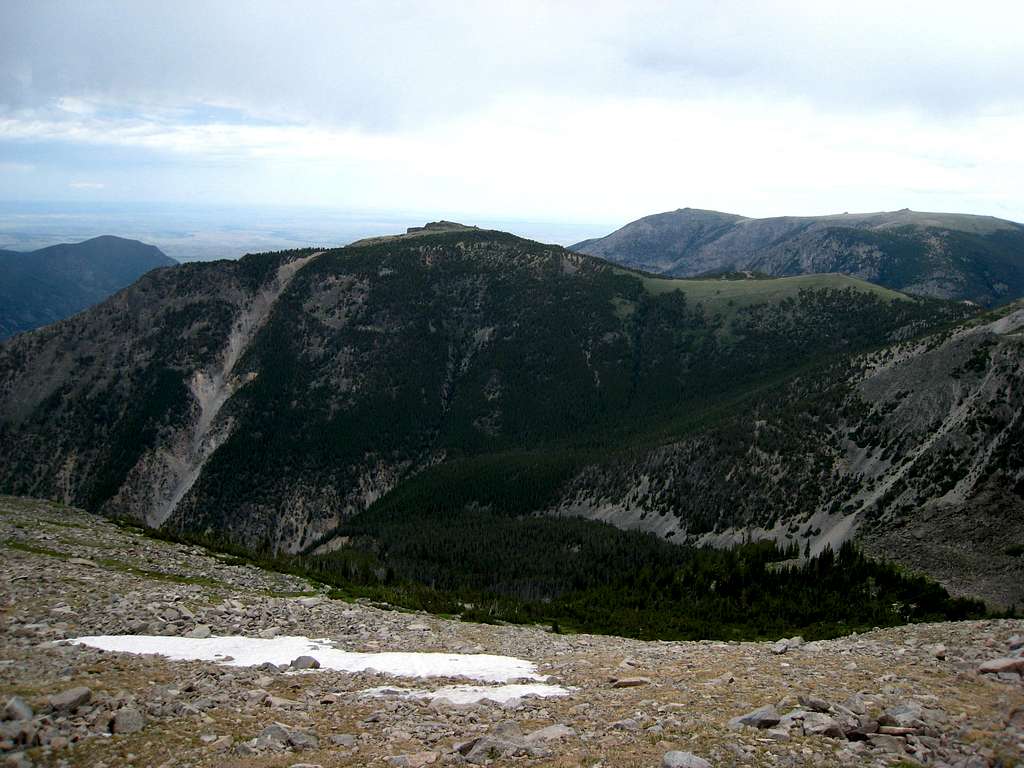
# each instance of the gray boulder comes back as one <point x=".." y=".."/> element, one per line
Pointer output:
<point x="677" y="759"/>
<point x="127" y="720"/>
<point x="71" y="699"/>
<point x="762" y="717"/>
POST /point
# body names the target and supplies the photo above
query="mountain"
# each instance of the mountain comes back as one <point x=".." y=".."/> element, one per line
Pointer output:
<point x="943" y="255"/>
<point x="44" y="286"/>
<point x="417" y="403"/>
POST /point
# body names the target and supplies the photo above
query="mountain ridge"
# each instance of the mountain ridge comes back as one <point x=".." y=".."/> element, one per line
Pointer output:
<point x="472" y="366"/>
<point x="952" y="256"/>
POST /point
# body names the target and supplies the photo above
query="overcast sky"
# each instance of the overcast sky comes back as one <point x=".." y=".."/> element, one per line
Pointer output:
<point x="559" y="111"/>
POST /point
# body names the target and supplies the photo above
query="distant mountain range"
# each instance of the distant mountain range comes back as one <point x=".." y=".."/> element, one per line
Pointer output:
<point x="943" y="255"/>
<point x="433" y="397"/>
<point x="41" y="287"/>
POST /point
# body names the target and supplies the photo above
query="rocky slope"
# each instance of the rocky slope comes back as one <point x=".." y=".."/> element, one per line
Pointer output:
<point x="936" y="694"/>
<point x="44" y="286"/>
<point x="914" y="449"/>
<point x="952" y="256"/>
<point x="269" y="400"/>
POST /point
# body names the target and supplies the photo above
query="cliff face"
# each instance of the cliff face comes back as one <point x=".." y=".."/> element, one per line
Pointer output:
<point x="949" y="256"/>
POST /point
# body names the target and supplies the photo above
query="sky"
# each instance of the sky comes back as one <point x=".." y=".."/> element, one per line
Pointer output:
<point x="587" y="114"/>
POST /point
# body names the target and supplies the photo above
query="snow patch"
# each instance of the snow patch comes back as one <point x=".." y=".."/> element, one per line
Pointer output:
<point x="240" y="651"/>
<point x="472" y="694"/>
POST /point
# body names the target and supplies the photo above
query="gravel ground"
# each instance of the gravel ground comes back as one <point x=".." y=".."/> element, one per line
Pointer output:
<point x="904" y="696"/>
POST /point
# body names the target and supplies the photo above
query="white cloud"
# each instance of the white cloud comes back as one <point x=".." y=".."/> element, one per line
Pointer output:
<point x="86" y="185"/>
<point x="556" y="110"/>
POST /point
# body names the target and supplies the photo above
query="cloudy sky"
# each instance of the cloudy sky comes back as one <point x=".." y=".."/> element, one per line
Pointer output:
<point x="561" y="111"/>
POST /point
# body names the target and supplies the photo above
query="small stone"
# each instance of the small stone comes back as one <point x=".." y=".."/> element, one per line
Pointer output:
<point x="551" y="733"/>
<point x="414" y="760"/>
<point x="305" y="662"/>
<point x="813" y="703"/>
<point x="17" y="709"/>
<point x="71" y="699"/>
<point x="128" y="720"/>
<point x="676" y="759"/>
<point x="938" y="651"/>
<point x="630" y="682"/>
<point x="201" y="632"/>
<point x="629" y="724"/>
<point x="887" y="743"/>
<point x="763" y="717"/>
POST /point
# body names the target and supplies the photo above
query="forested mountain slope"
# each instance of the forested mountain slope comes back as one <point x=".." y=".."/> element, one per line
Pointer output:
<point x="47" y="285"/>
<point x="944" y="255"/>
<point x="286" y="399"/>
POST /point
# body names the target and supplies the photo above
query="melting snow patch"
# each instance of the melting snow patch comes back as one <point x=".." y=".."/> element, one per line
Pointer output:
<point x="471" y="694"/>
<point x="239" y="651"/>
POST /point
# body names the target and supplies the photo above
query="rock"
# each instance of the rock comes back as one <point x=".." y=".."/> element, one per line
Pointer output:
<point x="551" y="733"/>
<point x="888" y="743"/>
<point x="127" y="720"/>
<point x="677" y="759"/>
<point x="71" y="699"/>
<point x="305" y="765"/>
<point x="1007" y="664"/>
<point x="303" y="740"/>
<point x="820" y="724"/>
<point x="906" y="715"/>
<point x="269" y="632"/>
<point x="938" y="651"/>
<point x="504" y="740"/>
<point x="305" y="662"/>
<point x="273" y="736"/>
<point x="896" y="730"/>
<point x="864" y="729"/>
<point x="813" y="703"/>
<point x="788" y="644"/>
<point x="1016" y="642"/>
<point x="630" y="682"/>
<point x="418" y="626"/>
<point x="17" y="709"/>
<point x="343" y="740"/>
<point x="415" y="760"/>
<point x="83" y="561"/>
<point x="629" y="724"/>
<point x="763" y="717"/>
<point x="201" y="632"/>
